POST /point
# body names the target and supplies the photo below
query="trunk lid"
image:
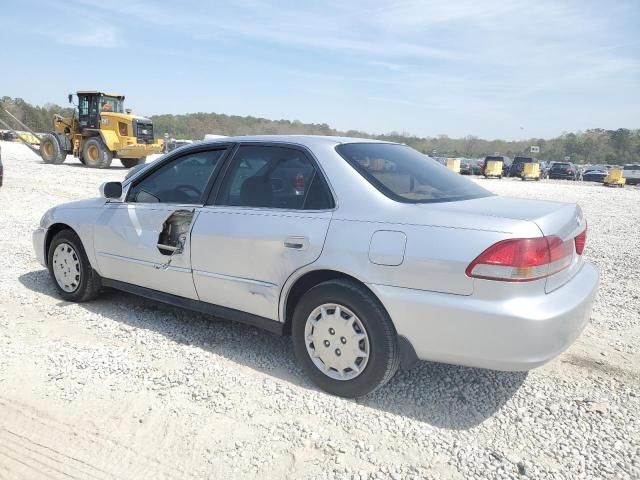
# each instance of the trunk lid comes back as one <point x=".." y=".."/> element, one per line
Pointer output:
<point x="564" y="220"/>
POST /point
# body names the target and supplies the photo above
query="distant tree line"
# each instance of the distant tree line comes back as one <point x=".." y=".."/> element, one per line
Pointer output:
<point x="591" y="146"/>
<point x="37" y="118"/>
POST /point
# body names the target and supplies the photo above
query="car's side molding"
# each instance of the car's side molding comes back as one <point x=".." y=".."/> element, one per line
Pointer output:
<point x="198" y="306"/>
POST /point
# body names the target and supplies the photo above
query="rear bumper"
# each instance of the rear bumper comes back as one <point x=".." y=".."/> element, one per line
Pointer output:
<point x="515" y="334"/>
<point x="38" y="245"/>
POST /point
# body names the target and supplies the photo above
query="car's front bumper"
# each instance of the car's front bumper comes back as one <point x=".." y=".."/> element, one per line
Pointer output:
<point x="39" y="236"/>
<point x="514" y="334"/>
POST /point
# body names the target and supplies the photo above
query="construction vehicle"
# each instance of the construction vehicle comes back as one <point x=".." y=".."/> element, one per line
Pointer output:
<point x="493" y="168"/>
<point x="453" y="164"/>
<point x="97" y="132"/>
<point x="615" y="177"/>
<point x="530" y="171"/>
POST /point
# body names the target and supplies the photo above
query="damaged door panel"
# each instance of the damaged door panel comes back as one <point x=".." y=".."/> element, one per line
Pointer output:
<point x="174" y="233"/>
<point x="147" y="245"/>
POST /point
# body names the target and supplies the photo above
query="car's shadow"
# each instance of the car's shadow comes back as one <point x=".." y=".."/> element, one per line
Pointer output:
<point x="441" y="395"/>
<point x="111" y="167"/>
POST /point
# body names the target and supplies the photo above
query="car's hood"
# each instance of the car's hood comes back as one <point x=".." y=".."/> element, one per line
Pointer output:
<point x="87" y="203"/>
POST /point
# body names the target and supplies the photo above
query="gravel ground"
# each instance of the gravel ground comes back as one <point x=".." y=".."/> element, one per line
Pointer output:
<point x="127" y="388"/>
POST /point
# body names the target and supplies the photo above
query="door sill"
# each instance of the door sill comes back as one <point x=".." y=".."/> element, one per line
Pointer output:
<point x="198" y="306"/>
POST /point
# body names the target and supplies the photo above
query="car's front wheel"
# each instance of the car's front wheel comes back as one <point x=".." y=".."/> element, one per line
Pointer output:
<point x="344" y="339"/>
<point x="73" y="276"/>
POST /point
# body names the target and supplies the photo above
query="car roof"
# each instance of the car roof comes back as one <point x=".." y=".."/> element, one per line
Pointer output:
<point x="305" y="140"/>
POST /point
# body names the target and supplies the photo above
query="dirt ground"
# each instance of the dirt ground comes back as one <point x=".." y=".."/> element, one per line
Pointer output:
<point x="123" y="387"/>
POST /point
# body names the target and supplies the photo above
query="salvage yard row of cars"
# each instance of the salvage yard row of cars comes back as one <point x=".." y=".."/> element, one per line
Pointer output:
<point x="552" y="170"/>
<point x="368" y="254"/>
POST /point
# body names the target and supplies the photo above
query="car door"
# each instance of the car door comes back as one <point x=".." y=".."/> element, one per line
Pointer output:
<point x="270" y="217"/>
<point x="145" y="239"/>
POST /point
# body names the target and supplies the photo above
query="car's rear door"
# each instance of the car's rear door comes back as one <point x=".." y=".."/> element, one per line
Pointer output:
<point x="134" y="241"/>
<point x="268" y="218"/>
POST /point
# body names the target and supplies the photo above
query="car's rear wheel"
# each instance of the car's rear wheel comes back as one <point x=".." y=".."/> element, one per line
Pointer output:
<point x="344" y="339"/>
<point x="73" y="276"/>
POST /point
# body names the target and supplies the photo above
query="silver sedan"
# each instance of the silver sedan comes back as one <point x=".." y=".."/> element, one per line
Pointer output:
<point x="369" y="254"/>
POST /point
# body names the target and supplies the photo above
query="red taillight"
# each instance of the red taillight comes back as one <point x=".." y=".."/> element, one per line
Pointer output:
<point x="522" y="259"/>
<point x="580" y="241"/>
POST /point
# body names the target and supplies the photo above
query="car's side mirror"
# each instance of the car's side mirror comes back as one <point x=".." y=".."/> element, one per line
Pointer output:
<point x="111" y="190"/>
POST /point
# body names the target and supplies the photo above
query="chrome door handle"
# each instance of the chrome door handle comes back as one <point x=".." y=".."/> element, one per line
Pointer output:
<point x="296" y="243"/>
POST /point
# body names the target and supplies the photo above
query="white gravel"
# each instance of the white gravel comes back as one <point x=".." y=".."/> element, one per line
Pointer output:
<point x="127" y="388"/>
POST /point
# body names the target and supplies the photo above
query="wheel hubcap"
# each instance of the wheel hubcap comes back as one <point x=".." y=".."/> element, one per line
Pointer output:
<point x="66" y="267"/>
<point x="48" y="148"/>
<point x="93" y="153"/>
<point x="337" y="341"/>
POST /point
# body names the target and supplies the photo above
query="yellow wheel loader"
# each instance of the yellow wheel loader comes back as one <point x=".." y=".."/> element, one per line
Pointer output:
<point x="97" y="132"/>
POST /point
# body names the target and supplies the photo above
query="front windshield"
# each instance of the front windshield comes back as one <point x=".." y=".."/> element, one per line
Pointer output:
<point x="111" y="104"/>
<point x="406" y="175"/>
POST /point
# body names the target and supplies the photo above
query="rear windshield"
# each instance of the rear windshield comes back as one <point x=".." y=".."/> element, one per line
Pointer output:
<point x="561" y="165"/>
<point x="523" y="160"/>
<point x="405" y="175"/>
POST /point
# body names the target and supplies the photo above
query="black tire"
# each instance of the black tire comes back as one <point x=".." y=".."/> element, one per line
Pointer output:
<point x="95" y="153"/>
<point x="132" y="162"/>
<point x="51" y="150"/>
<point x="384" y="357"/>
<point x="88" y="280"/>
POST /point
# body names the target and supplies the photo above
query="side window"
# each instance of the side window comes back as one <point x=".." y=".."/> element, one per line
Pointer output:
<point x="274" y="177"/>
<point x="181" y="181"/>
<point x="83" y="106"/>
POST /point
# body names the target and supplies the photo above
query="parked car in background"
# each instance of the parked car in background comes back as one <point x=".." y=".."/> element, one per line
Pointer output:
<point x="9" y="136"/>
<point x="544" y="169"/>
<point x="466" y="166"/>
<point x="594" y="173"/>
<point x="632" y="174"/>
<point x="368" y="254"/>
<point x="477" y="166"/>
<point x="518" y="164"/>
<point x="563" y="171"/>
<point x="174" y="144"/>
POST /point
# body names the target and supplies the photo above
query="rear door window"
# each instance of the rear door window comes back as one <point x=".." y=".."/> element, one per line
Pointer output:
<point x="274" y="177"/>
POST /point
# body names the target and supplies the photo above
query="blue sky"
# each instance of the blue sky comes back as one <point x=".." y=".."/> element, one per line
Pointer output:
<point x="495" y="69"/>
